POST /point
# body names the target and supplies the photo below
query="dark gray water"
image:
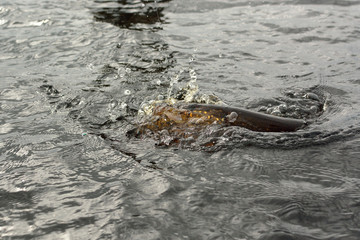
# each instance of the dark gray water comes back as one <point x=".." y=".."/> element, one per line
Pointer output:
<point x="75" y="73"/>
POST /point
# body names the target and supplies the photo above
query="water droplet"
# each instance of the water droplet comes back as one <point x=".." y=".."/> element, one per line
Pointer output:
<point x="3" y="21"/>
<point x="112" y="104"/>
<point x="282" y="108"/>
<point x="313" y="109"/>
<point x="192" y="86"/>
<point x="127" y="92"/>
<point x="90" y="66"/>
<point x="232" y="117"/>
<point x="121" y="72"/>
<point x="128" y="70"/>
<point x="161" y="97"/>
<point x="123" y="105"/>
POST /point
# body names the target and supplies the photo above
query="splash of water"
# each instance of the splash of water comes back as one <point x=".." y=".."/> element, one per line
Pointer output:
<point x="175" y="94"/>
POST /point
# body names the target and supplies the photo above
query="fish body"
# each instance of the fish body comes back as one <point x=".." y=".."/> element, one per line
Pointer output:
<point x="255" y="121"/>
<point x="180" y="118"/>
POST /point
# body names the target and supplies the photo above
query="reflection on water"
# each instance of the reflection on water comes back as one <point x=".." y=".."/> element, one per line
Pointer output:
<point x="144" y="50"/>
<point x="76" y="73"/>
<point x="128" y="14"/>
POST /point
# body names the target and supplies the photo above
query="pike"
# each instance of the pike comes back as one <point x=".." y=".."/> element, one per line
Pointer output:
<point x="178" y="117"/>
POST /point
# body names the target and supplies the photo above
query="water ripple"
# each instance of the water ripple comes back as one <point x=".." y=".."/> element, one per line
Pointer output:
<point x="75" y="74"/>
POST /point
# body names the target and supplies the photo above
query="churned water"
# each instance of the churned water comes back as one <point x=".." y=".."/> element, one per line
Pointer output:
<point x="74" y="75"/>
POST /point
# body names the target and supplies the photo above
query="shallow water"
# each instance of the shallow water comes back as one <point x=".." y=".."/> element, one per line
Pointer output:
<point x="74" y="75"/>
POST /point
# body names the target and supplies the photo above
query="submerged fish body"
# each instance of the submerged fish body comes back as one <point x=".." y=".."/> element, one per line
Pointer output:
<point x="188" y="119"/>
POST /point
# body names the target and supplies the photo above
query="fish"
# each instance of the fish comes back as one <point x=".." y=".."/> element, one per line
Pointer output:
<point x="187" y="119"/>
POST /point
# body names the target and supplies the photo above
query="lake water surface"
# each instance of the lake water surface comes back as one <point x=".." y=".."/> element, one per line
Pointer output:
<point x="74" y="75"/>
